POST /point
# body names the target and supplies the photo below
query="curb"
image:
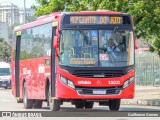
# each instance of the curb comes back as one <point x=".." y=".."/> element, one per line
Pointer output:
<point x="141" y="102"/>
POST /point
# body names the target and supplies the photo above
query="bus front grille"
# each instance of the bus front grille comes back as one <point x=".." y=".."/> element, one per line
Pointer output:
<point x="99" y="73"/>
<point x="98" y="91"/>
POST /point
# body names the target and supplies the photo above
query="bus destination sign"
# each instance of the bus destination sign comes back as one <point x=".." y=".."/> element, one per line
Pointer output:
<point x="96" y="20"/>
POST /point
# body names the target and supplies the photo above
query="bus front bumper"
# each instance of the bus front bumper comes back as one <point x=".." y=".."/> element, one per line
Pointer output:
<point x="66" y="92"/>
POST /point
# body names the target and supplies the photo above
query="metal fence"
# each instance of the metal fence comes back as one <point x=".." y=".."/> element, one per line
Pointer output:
<point x="147" y="68"/>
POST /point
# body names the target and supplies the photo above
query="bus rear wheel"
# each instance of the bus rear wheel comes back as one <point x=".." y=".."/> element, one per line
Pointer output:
<point x="114" y="104"/>
<point x="38" y="104"/>
<point x="28" y="103"/>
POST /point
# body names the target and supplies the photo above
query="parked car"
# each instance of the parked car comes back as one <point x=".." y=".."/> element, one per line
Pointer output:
<point x="5" y="76"/>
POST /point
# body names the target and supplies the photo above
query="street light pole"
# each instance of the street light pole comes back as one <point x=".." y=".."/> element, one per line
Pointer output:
<point x="24" y="16"/>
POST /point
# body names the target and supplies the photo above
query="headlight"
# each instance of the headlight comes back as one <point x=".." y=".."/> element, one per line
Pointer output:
<point x="71" y="84"/>
<point x="64" y="80"/>
<point x="128" y="82"/>
<point x="67" y="82"/>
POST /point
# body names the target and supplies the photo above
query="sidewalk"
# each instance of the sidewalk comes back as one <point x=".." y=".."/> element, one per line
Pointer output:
<point x="145" y="95"/>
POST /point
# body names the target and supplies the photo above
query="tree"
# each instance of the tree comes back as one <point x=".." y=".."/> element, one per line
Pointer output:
<point x="146" y="13"/>
<point x="5" y="51"/>
<point x="30" y="19"/>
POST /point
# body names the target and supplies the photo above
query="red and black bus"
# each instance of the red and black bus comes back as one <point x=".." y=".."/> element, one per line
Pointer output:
<point x="78" y="57"/>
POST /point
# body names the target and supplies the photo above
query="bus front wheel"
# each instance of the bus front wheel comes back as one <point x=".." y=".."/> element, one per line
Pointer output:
<point x="54" y="104"/>
<point x="28" y="103"/>
<point x="89" y="105"/>
<point x="114" y="104"/>
<point x="80" y="105"/>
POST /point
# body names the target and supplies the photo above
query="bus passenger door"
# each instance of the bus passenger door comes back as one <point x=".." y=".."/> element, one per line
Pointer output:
<point x="17" y="67"/>
<point x="53" y="61"/>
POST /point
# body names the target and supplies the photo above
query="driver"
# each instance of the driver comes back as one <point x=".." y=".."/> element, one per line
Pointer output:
<point x="113" y="48"/>
<point x="112" y="45"/>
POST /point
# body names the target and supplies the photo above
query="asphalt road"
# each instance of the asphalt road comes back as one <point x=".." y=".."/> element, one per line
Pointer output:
<point x="8" y="103"/>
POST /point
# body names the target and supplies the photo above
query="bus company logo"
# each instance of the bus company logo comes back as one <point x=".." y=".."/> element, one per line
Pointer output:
<point x="99" y="82"/>
<point x="84" y="82"/>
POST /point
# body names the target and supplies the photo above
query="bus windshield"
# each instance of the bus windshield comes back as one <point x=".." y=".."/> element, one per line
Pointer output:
<point x="4" y="71"/>
<point x="102" y="48"/>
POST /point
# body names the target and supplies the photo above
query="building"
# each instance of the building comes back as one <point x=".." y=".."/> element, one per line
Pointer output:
<point x="4" y="31"/>
<point x="9" y="13"/>
<point x="29" y="15"/>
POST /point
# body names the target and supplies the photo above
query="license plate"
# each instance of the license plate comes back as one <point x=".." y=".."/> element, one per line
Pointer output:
<point x="3" y="85"/>
<point x="99" y="92"/>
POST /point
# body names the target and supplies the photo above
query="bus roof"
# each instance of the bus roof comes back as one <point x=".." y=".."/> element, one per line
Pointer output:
<point x="41" y="20"/>
<point x="54" y="16"/>
<point x="98" y="12"/>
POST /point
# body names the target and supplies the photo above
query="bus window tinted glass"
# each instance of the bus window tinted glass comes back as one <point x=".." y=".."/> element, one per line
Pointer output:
<point x="36" y="41"/>
<point x="4" y="71"/>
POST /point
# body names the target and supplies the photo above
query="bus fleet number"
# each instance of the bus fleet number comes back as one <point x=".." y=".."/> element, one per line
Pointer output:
<point x="113" y="82"/>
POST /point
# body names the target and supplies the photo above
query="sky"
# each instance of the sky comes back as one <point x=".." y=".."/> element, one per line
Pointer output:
<point x="20" y="3"/>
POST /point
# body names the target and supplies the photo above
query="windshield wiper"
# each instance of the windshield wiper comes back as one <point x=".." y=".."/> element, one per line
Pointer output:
<point x="81" y="31"/>
<point x="114" y="31"/>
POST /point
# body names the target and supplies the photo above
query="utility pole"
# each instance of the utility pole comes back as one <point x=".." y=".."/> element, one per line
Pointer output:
<point x="24" y="16"/>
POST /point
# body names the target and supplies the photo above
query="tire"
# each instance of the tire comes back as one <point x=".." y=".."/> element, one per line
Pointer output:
<point x="54" y="104"/>
<point x="80" y="105"/>
<point x="28" y="103"/>
<point x="38" y="104"/>
<point x="89" y="105"/>
<point x="114" y="104"/>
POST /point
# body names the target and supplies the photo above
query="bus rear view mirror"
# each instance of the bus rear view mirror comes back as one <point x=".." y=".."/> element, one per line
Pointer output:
<point x="56" y="44"/>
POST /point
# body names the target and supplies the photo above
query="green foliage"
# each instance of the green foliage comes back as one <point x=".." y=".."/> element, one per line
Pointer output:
<point x="37" y="51"/>
<point x="24" y="55"/>
<point x="30" y="18"/>
<point x="5" y="50"/>
<point x="157" y="45"/>
<point x="146" y="13"/>
<point x="48" y="7"/>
